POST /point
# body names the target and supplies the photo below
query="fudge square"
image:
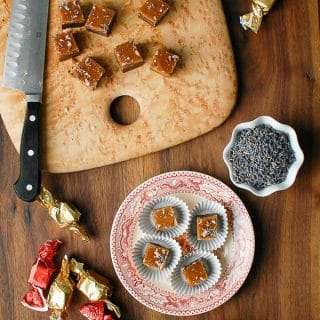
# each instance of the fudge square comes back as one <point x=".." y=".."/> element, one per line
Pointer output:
<point x="71" y="14"/>
<point x="207" y="226"/>
<point x="195" y="272"/>
<point x="128" y="56"/>
<point x="66" y="45"/>
<point x="155" y="256"/>
<point x="100" y="20"/>
<point x="153" y="11"/>
<point x="164" y="218"/>
<point x="88" y="71"/>
<point x="164" y="62"/>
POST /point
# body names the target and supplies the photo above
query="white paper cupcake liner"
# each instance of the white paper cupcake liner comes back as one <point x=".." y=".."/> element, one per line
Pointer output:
<point x="154" y="274"/>
<point x="204" y="208"/>
<point x="181" y="211"/>
<point x="212" y="265"/>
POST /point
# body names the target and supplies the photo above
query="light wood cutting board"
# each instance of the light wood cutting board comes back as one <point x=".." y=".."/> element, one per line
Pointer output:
<point x="78" y="131"/>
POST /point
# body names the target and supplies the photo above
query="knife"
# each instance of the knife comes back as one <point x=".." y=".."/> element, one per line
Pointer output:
<point x="23" y="70"/>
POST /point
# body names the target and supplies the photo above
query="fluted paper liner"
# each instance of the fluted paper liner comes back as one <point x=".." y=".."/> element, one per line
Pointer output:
<point x="154" y="274"/>
<point x="181" y="212"/>
<point x="212" y="265"/>
<point x="204" y="208"/>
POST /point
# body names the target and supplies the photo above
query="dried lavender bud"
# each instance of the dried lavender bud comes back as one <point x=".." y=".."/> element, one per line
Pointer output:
<point x="261" y="157"/>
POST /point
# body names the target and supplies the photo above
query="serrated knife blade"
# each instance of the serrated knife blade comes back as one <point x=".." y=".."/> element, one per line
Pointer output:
<point x="23" y="70"/>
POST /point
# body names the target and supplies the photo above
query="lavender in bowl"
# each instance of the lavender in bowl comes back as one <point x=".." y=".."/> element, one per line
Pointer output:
<point x="263" y="156"/>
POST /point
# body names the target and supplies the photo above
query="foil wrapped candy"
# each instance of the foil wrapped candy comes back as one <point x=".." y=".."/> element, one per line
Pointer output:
<point x="44" y="267"/>
<point x="95" y="287"/>
<point x="35" y="300"/>
<point x="253" y="19"/>
<point x="62" y="213"/>
<point x="71" y="274"/>
<point x="61" y="291"/>
<point x="41" y="275"/>
<point x="96" y="311"/>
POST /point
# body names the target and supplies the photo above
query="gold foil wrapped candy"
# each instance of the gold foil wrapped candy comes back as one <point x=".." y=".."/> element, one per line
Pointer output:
<point x="62" y="213"/>
<point x="94" y="286"/>
<point x="253" y="19"/>
<point x="57" y="315"/>
<point x="61" y="291"/>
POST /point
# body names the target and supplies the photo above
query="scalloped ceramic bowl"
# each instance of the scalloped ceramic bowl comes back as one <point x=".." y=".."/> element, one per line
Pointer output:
<point x="293" y="169"/>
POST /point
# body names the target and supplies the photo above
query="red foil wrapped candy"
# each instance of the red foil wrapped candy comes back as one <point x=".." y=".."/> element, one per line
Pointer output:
<point x="41" y="275"/>
<point x="44" y="268"/>
<point x="97" y="311"/>
<point x="48" y="250"/>
<point x="35" y="300"/>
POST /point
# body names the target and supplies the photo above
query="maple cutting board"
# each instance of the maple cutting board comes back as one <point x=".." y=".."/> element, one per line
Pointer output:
<point x="78" y="131"/>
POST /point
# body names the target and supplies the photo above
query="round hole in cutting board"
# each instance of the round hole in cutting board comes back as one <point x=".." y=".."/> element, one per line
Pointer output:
<point x="125" y="110"/>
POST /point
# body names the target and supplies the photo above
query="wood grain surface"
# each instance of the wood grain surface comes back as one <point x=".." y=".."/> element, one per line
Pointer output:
<point x="279" y="74"/>
<point x="77" y="123"/>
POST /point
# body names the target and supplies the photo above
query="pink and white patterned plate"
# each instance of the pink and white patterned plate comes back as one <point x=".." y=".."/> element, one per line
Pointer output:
<point x="236" y="255"/>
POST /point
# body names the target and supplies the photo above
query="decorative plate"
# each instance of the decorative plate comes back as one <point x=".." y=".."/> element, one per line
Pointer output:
<point x="236" y="256"/>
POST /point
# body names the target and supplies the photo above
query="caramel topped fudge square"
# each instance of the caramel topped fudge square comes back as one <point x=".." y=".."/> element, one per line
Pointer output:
<point x="207" y="226"/>
<point x="153" y="11"/>
<point x="155" y="256"/>
<point x="71" y="14"/>
<point x="195" y="272"/>
<point x="66" y="45"/>
<point x="164" y="218"/>
<point x="100" y="20"/>
<point x="128" y="56"/>
<point x="89" y="72"/>
<point x="164" y="62"/>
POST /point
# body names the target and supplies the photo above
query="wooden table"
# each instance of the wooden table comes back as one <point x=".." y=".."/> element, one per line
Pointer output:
<point x="279" y="74"/>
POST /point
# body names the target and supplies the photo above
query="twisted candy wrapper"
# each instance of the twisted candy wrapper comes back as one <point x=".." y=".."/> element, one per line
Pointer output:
<point x="94" y="286"/>
<point x="44" y="267"/>
<point x="40" y="276"/>
<point x="35" y="300"/>
<point x="253" y="19"/>
<point x="61" y="291"/>
<point x="62" y="213"/>
<point x="57" y="315"/>
<point x="97" y="311"/>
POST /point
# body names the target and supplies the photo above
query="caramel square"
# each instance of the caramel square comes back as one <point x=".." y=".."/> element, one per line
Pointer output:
<point x="153" y="11"/>
<point x="195" y="272"/>
<point x="71" y="14"/>
<point x="164" y="218"/>
<point x="155" y="256"/>
<point x="128" y="56"/>
<point x="100" y="20"/>
<point x="66" y="45"/>
<point x="164" y="62"/>
<point x="88" y="71"/>
<point x="207" y="226"/>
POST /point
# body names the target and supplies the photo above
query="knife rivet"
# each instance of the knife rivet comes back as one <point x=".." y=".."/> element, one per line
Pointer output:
<point x="29" y="187"/>
<point x="30" y="153"/>
<point x="32" y="118"/>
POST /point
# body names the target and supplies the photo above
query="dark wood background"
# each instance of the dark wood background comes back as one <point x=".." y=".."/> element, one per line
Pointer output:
<point x="279" y="73"/>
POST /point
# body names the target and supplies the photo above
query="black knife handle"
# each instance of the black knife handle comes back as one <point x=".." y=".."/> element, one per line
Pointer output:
<point x="27" y="187"/>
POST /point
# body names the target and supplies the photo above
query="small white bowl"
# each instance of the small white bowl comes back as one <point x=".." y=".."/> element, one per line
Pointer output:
<point x="293" y="169"/>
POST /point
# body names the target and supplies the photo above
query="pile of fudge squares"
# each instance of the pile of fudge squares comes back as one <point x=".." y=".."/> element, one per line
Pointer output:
<point x="100" y="21"/>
